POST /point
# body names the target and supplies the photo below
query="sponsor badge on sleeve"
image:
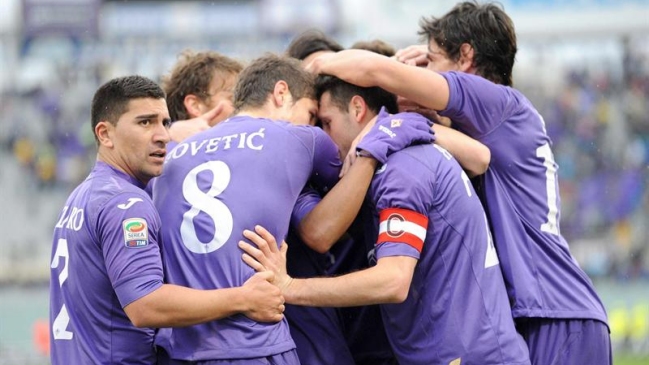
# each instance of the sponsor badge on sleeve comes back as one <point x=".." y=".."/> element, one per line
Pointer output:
<point x="136" y="233"/>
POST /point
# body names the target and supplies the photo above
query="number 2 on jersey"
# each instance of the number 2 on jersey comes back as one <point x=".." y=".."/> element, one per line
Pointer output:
<point x="60" y="323"/>
<point x="205" y="202"/>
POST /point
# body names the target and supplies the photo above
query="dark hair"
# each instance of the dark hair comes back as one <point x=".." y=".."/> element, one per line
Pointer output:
<point x="486" y="28"/>
<point x="193" y="74"/>
<point x="309" y="42"/>
<point x="257" y="81"/>
<point x="376" y="46"/>
<point x="342" y="93"/>
<point x="111" y="99"/>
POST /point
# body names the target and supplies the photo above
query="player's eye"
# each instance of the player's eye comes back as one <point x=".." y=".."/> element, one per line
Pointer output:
<point x="145" y="122"/>
<point x="166" y="122"/>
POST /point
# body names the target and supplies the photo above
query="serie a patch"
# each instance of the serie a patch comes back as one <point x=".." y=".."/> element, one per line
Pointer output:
<point x="136" y="232"/>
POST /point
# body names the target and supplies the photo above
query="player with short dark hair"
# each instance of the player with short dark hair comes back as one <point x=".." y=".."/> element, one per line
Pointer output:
<point x="106" y="290"/>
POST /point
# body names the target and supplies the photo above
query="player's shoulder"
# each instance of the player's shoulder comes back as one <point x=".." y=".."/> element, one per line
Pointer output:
<point x="106" y="191"/>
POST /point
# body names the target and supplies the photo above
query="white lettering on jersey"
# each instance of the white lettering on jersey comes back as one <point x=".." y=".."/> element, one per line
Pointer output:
<point x="70" y="219"/>
<point x="253" y="141"/>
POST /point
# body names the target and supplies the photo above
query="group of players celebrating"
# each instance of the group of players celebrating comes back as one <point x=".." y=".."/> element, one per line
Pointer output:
<point x="417" y="223"/>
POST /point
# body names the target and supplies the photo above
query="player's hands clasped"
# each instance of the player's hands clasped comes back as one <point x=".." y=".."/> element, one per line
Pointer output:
<point x="264" y="298"/>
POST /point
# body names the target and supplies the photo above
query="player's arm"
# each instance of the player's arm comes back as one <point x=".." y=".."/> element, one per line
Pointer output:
<point x="129" y="242"/>
<point x="473" y="156"/>
<point x="364" y="68"/>
<point x="176" y="306"/>
<point x="331" y="217"/>
<point x="386" y="282"/>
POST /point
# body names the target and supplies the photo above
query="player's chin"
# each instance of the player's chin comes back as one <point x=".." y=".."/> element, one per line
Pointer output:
<point x="154" y="168"/>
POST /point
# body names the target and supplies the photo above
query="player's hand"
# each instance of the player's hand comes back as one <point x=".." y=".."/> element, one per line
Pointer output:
<point x="416" y="55"/>
<point x="266" y="256"/>
<point x="219" y="113"/>
<point x="393" y="133"/>
<point x="349" y="160"/>
<point x="183" y="129"/>
<point x="265" y="300"/>
<point x="409" y="106"/>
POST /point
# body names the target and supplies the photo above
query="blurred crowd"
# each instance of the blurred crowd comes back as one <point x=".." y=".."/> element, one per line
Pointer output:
<point x="598" y="121"/>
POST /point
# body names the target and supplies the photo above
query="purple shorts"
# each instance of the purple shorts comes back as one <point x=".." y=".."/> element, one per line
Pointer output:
<point x="557" y="341"/>
<point x="285" y="358"/>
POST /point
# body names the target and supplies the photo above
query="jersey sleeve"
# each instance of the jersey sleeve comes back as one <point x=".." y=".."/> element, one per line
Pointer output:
<point x="402" y="194"/>
<point x="305" y="203"/>
<point x="476" y="105"/>
<point x="323" y="151"/>
<point x="128" y="229"/>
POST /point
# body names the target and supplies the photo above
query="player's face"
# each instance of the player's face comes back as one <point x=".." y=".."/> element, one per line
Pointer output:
<point x="221" y="91"/>
<point x="303" y="112"/>
<point x="338" y="124"/>
<point x="139" y="138"/>
<point x="438" y="60"/>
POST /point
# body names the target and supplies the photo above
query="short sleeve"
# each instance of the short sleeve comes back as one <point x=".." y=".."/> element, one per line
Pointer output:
<point x="305" y="203"/>
<point x="476" y="105"/>
<point x="402" y="190"/>
<point x="128" y="230"/>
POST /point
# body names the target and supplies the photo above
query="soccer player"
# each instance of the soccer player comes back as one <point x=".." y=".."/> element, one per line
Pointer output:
<point x="333" y="335"/>
<point x="474" y="47"/>
<point x="436" y="276"/>
<point x="323" y="335"/>
<point x="106" y="287"/>
<point x="199" y="91"/>
<point x="250" y="170"/>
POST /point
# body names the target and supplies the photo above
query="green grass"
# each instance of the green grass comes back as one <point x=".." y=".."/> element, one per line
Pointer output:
<point x="624" y="359"/>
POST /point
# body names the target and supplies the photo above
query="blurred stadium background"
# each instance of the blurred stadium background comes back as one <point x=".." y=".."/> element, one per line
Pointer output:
<point x="583" y="63"/>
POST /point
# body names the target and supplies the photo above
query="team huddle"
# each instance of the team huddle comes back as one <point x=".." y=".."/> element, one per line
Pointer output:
<point x="325" y="206"/>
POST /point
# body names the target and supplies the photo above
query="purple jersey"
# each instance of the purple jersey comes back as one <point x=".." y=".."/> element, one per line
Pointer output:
<point x="242" y="172"/>
<point x="457" y="308"/>
<point x="105" y="255"/>
<point x="521" y="196"/>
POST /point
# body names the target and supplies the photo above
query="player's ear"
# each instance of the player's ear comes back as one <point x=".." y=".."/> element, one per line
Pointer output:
<point x="104" y="131"/>
<point x="466" y="57"/>
<point x="280" y="93"/>
<point x="358" y="108"/>
<point x="192" y="105"/>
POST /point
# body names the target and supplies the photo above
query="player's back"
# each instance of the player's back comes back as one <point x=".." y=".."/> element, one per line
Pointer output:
<point x="241" y="173"/>
<point x="457" y="307"/>
<point x="88" y="323"/>
<point x="521" y="195"/>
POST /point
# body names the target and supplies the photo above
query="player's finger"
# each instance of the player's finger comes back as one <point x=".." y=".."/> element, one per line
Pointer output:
<point x="284" y="248"/>
<point x="257" y="254"/>
<point x="261" y="243"/>
<point x="269" y="238"/>
<point x="213" y="113"/>
<point x="267" y="275"/>
<point x="258" y="267"/>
